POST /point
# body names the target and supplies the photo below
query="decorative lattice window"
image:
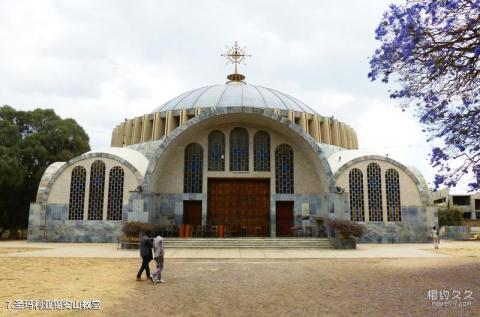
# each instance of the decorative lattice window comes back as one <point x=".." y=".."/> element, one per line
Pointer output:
<point x="239" y="150"/>
<point x="115" y="193"/>
<point x="216" y="151"/>
<point x="284" y="169"/>
<point x="193" y="168"/>
<point x="392" y="185"/>
<point x="97" y="188"/>
<point x="77" y="193"/>
<point x="261" y="150"/>
<point x="357" y="204"/>
<point x="374" y="181"/>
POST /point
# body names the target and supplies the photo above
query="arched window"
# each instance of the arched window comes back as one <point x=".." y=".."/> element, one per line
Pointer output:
<point x="97" y="187"/>
<point x="193" y="168"/>
<point x="77" y="193"/>
<point x="357" y="206"/>
<point x="115" y="193"/>
<point x="284" y="169"/>
<point x="261" y="151"/>
<point x="239" y="150"/>
<point x="374" y="181"/>
<point x="216" y="151"/>
<point x="392" y="184"/>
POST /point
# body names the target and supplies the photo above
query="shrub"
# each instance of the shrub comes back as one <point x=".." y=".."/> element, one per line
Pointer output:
<point x="135" y="228"/>
<point x="347" y="228"/>
<point x="449" y="217"/>
<point x="131" y="229"/>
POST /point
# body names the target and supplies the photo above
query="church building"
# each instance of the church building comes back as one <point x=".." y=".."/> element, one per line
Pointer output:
<point x="247" y="156"/>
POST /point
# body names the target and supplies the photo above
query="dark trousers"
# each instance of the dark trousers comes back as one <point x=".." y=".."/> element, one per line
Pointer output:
<point x="145" y="261"/>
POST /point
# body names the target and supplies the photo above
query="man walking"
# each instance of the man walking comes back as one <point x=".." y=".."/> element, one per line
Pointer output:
<point x="146" y="254"/>
<point x="158" y="256"/>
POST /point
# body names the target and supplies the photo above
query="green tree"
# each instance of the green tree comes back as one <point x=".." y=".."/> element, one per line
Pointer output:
<point x="29" y="142"/>
<point x="449" y="217"/>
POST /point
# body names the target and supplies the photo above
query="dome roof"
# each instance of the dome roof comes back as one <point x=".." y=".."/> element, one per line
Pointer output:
<point x="235" y="94"/>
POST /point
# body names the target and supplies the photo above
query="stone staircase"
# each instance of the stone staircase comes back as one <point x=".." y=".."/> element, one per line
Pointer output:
<point x="249" y="243"/>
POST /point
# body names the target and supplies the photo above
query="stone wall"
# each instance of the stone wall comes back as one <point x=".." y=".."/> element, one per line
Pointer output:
<point x="412" y="228"/>
<point x="56" y="227"/>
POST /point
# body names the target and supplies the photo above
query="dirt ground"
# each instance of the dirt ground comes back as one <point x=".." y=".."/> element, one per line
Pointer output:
<point x="307" y="287"/>
<point x="12" y="250"/>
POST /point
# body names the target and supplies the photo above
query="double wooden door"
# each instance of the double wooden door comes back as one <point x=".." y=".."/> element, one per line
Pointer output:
<point x="243" y="203"/>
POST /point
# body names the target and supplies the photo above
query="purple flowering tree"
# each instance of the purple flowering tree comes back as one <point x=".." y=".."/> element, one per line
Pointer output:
<point x="431" y="49"/>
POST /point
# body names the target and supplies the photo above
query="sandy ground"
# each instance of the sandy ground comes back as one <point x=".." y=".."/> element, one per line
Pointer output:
<point x="245" y="287"/>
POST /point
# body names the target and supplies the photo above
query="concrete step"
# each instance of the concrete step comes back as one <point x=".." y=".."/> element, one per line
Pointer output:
<point x="270" y="243"/>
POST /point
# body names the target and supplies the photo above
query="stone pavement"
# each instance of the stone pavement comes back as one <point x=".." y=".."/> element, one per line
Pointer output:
<point x="109" y="250"/>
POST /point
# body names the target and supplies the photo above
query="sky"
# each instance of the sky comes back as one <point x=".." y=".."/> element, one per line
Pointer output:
<point x="100" y="62"/>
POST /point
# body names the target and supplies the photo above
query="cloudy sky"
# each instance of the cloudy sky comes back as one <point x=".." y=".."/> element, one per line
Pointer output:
<point x="100" y="62"/>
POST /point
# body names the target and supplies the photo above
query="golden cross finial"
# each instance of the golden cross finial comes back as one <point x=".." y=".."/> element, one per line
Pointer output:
<point x="236" y="55"/>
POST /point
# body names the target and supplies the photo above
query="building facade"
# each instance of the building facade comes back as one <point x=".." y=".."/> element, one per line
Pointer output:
<point x="236" y="154"/>
<point x="468" y="204"/>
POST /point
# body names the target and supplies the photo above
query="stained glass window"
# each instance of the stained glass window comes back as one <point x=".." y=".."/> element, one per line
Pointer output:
<point x="216" y="151"/>
<point x="77" y="193"/>
<point x="193" y="168"/>
<point x="392" y="184"/>
<point x="115" y="193"/>
<point x="284" y="169"/>
<point x="239" y="150"/>
<point x="374" y="181"/>
<point x="97" y="187"/>
<point x="357" y="205"/>
<point x="261" y="150"/>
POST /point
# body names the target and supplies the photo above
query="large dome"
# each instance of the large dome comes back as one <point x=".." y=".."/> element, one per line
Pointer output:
<point x="235" y="94"/>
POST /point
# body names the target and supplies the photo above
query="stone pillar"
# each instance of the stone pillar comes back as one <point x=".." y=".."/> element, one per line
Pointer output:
<point x="129" y="132"/>
<point x="158" y="126"/>
<point x="303" y="121"/>
<point x="343" y="135"/>
<point x="314" y="128"/>
<point x="147" y="128"/>
<point x="170" y="123"/>
<point x="335" y="137"/>
<point x="355" y="140"/>
<point x="291" y="116"/>
<point x="113" y="141"/>
<point x="325" y="130"/>
<point x="183" y="116"/>
<point x="137" y="130"/>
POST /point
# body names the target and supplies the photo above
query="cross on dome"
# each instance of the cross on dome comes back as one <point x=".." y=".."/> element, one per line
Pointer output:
<point x="236" y="55"/>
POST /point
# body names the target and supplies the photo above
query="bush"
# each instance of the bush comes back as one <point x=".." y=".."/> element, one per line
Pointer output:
<point x="133" y="229"/>
<point x="347" y="228"/>
<point x="449" y="217"/>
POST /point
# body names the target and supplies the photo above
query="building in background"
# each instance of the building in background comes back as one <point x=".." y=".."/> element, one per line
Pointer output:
<point x="468" y="204"/>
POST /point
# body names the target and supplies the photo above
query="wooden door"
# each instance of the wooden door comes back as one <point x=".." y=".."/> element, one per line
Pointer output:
<point x="284" y="218"/>
<point x="192" y="213"/>
<point x="243" y="203"/>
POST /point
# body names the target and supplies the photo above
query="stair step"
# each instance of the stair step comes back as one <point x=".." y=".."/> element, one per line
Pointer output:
<point x="249" y="243"/>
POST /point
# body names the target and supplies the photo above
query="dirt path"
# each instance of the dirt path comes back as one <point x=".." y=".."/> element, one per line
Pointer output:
<point x="317" y="287"/>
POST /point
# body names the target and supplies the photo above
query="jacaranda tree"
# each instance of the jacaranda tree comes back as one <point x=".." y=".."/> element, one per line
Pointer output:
<point x="431" y="49"/>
